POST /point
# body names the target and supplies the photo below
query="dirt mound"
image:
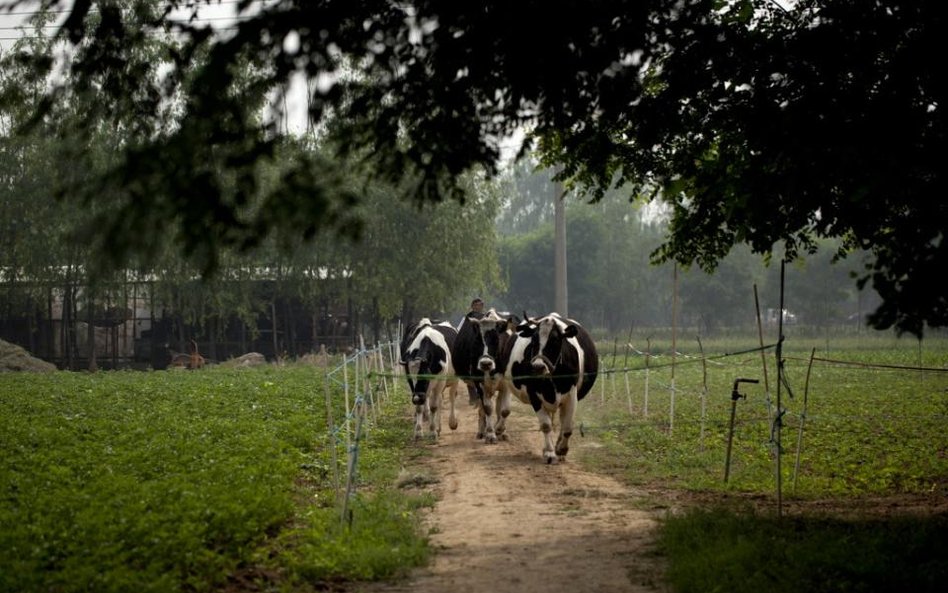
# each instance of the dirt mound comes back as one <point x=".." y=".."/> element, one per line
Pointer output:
<point x="251" y="359"/>
<point x="15" y="358"/>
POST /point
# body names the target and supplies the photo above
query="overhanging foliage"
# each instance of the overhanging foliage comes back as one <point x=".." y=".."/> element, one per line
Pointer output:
<point x="761" y="124"/>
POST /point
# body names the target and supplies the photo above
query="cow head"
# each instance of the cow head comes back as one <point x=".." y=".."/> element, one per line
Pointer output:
<point x="417" y="367"/>
<point x="492" y="330"/>
<point x="548" y="336"/>
<point x="420" y="358"/>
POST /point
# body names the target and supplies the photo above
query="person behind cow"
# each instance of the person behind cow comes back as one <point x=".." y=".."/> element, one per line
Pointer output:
<point x="477" y="310"/>
<point x="477" y="306"/>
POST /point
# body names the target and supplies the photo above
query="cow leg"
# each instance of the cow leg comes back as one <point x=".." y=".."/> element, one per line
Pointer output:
<point x="546" y="427"/>
<point x="434" y="403"/>
<point x="567" y="412"/>
<point x="487" y="404"/>
<point x="481" y="420"/>
<point x="503" y="410"/>
<point x="421" y="412"/>
<point x="452" y="397"/>
<point x="484" y="429"/>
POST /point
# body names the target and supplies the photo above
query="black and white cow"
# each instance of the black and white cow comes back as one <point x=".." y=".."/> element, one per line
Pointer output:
<point x="551" y="363"/>
<point x="481" y="337"/>
<point x="426" y="358"/>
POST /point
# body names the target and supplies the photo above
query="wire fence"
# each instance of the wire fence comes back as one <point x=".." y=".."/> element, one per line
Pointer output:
<point x="874" y="419"/>
<point x="853" y="413"/>
<point x="367" y="380"/>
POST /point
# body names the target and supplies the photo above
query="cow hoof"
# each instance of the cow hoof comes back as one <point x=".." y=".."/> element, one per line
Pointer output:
<point x="490" y="439"/>
<point x="504" y="437"/>
<point x="453" y="424"/>
<point x="480" y="435"/>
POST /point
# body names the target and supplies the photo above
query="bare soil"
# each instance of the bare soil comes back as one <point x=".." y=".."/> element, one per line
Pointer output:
<point x="505" y="521"/>
<point x="15" y="358"/>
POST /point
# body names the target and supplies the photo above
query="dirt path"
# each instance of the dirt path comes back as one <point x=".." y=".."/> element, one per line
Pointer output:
<point x="507" y="522"/>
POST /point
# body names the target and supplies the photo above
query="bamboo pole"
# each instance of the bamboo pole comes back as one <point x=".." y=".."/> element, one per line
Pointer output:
<point x="778" y="416"/>
<point x="806" y="391"/>
<point x="763" y="359"/>
<point x="704" y="390"/>
<point x="671" y="410"/>
<point x="332" y="436"/>
<point x="648" y="356"/>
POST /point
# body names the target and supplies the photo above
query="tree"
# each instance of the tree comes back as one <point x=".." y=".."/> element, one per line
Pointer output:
<point x="820" y="122"/>
<point x="528" y="197"/>
<point x="425" y="261"/>
<point x="724" y="297"/>
<point x="611" y="285"/>
<point x="760" y="124"/>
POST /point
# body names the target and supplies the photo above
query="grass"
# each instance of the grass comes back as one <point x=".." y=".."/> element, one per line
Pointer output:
<point x="868" y="430"/>
<point x="870" y="427"/>
<point x="181" y="481"/>
<point x="721" y="550"/>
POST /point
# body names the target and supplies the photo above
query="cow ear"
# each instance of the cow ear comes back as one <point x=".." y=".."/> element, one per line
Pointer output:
<point x="571" y="331"/>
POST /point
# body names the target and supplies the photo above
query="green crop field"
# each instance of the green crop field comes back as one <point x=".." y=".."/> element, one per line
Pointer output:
<point x="863" y="468"/>
<point x="858" y="420"/>
<point x="197" y="481"/>
<point x="179" y="481"/>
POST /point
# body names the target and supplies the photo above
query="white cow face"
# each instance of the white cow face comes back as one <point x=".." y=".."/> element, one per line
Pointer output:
<point x="489" y="327"/>
<point x="551" y="333"/>
<point x="541" y="364"/>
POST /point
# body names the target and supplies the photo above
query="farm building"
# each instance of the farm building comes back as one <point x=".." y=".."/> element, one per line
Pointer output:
<point x="143" y="321"/>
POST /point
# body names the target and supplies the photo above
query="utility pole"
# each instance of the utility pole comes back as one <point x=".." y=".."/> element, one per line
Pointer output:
<point x="559" y="220"/>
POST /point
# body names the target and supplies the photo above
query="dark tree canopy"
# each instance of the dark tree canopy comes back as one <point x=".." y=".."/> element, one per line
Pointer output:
<point x="759" y="123"/>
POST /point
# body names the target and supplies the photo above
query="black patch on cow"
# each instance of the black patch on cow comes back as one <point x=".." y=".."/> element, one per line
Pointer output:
<point x="560" y="355"/>
<point x="433" y="358"/>
<point x="469" y="348"/>
<point x="565" y="359"/>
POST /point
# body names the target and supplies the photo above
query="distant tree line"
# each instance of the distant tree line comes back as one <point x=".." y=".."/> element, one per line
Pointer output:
<point x="615" y="286"/>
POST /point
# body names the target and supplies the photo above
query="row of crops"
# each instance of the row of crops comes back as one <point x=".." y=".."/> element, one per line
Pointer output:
<point x="283" y="475"/>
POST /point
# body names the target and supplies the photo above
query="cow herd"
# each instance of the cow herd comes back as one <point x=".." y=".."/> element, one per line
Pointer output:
<point x="548" y="362"/>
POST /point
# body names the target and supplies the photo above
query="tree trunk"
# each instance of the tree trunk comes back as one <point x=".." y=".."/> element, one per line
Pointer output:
<point x="90" y="332"/>
<point x="273" y="323"/>
<point x="559" y="211"/>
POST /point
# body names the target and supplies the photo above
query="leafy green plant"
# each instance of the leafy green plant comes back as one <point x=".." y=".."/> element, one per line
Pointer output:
<point x="173" y="481"/>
